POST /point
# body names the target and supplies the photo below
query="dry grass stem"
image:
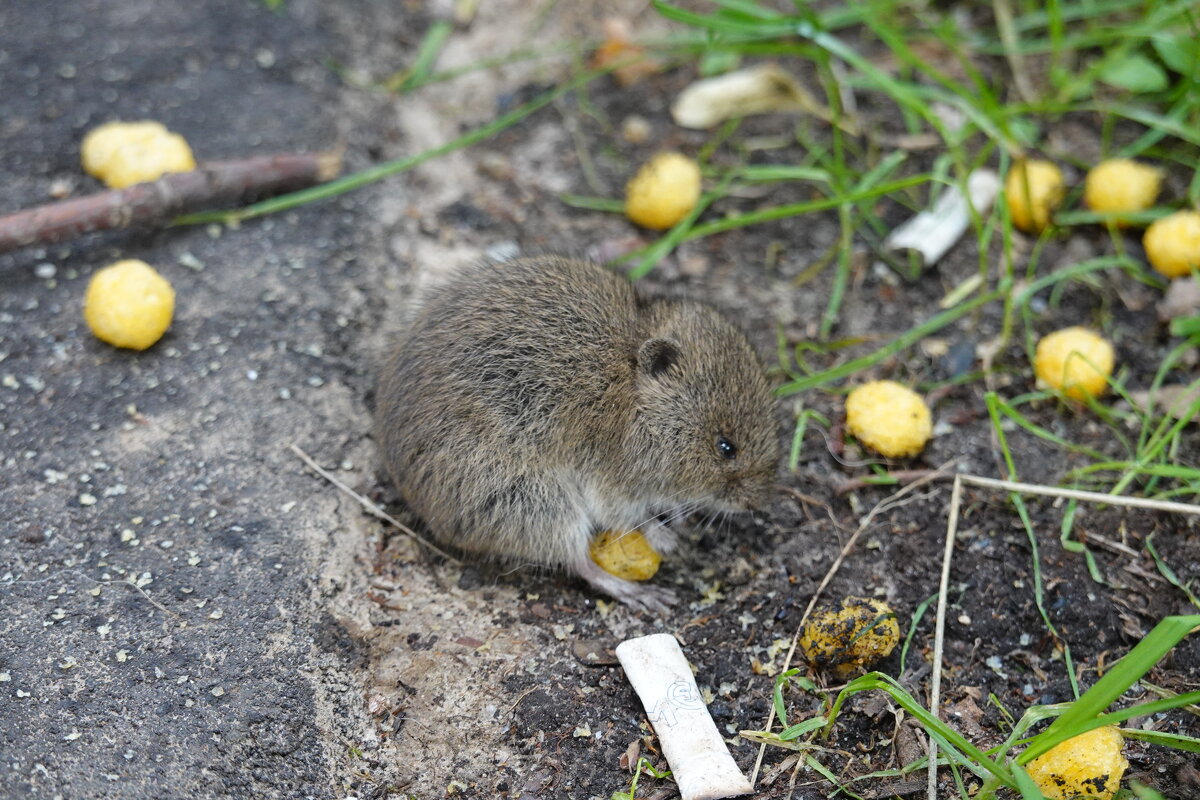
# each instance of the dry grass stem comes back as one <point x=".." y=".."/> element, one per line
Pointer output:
<point x="1078" y="494"/>
<point x="935" y="684"/>
<point x="370" y="507"/>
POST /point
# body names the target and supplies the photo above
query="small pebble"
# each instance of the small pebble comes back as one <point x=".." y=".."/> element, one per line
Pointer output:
<point x="188" y="260"/>
<point x="635" y="129"/>
<point x="60" y="188"/>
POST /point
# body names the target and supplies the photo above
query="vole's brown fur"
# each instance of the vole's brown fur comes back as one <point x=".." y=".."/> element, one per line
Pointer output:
<point x="533" y="403"/>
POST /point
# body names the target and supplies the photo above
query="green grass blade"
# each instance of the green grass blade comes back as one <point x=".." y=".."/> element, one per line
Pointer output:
<point x="801" y="728"/>
<point x="724" y="24"/>
<point x="1140" y="660"/>
<point x="780" y="710"/>
<point x="796" y="209"/>
<point x="841" y="278"/>
<point x="431" y="46"/>
<point x="902" y="342"/>
<point x="824" y="772"/>
<point x="798" y="439"/>
<point x="371" y="174"/>
<point x="954" y="744"/>
<point x="748" y="9"/>
<point x="768" y="173"/>
<point x="1039" y="591"/>
<point x="1176" y="741"/>
<point x="609" y="204"/>
<point x="1143" y="792"/>
<point x="1168" y="573"/>
<point x="1026" y="786"/>
<point x="912" y="629"/>
<point x="1175" y="127"/>
<point x="1142" y="710"/>
<point x="1076" y="546"/>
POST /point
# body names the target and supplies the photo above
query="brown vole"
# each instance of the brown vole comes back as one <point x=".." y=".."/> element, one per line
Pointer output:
<point x="533" y="403"/>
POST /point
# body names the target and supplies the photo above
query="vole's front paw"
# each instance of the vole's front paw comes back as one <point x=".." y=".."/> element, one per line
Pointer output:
<point x="656" y="600"/>
<point x="660" y="537"/>
<point x="640" y="597"/>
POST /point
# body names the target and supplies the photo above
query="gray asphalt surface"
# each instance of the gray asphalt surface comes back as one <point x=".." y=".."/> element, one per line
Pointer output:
<point x="166" y="469"/>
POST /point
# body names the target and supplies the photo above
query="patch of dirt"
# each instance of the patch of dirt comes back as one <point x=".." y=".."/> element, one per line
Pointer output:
<point x="285" y="644"/>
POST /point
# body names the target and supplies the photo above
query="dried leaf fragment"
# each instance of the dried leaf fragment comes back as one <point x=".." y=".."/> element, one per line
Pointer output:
<point x="1182" y="299"/>
<point x="757" y="90"/>
<point x="618" y="48"/>
<point x="1176" y="400"/>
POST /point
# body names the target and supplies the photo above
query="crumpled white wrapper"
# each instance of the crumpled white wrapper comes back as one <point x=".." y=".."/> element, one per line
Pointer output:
<point x="933" y="232"/>
<point x="700" y="762"/>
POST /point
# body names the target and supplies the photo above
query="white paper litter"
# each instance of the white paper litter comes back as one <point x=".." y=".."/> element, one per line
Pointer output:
<point x="700" y="762"/>
<point x="933" y="232"/>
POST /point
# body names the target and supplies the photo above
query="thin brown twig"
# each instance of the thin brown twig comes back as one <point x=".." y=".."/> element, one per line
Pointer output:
<point x="807" y="499"/>
<point x="370" y="507"/>
<point x="211" y="184"/>
<point x="901" y="476"/>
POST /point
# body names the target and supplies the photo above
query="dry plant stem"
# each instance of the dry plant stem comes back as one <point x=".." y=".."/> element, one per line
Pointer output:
<point x="899" y="475"/>
<point x="125" y="582"/>
<point x="1077" y="494"/>
<point x="370" y="507"/>
<point x="935" y="685"/>
<point x="212" y="184"/>
<point x="1031" y="488"/>
<point x="887" y="504"/>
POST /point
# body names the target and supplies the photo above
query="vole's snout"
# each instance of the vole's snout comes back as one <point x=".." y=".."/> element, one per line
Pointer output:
<point x="762" y="495"/>
<point x="750" y="492"/>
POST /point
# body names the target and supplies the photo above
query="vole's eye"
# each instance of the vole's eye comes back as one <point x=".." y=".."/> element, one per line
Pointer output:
<point x="726" y="448"/>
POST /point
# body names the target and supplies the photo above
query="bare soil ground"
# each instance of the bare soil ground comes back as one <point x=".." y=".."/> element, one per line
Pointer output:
<point x="189" y="612"/>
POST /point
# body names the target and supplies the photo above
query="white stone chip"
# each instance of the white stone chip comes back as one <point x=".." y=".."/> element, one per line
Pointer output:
<point x="700" y="762"/>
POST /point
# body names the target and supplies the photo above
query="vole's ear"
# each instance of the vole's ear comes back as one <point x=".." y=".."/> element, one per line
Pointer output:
<point x="656" y="356"/>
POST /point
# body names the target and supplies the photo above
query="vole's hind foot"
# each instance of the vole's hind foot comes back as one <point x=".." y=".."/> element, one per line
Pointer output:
<point x="656" y="600"/>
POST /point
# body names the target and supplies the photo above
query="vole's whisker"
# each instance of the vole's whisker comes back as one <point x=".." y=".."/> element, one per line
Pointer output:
<point x="683" y="511"/>
<point x="670" y="513"/>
